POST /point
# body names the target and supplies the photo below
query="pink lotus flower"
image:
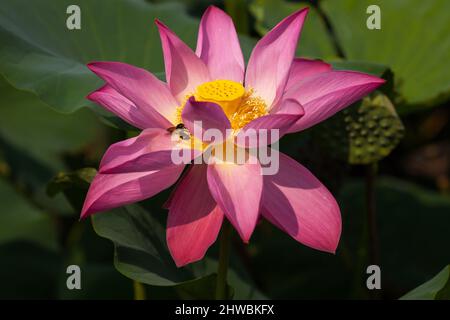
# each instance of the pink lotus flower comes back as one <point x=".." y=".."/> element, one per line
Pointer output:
<point x="275" y="91"/>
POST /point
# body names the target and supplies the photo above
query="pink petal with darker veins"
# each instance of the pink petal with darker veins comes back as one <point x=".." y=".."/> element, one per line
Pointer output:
<point x="237" y="190"/>
<point x="194" y="218"/>
<point x="302" y="68"/>
<point x="148" y="93"/>
<point x="199" y="117"/>
<point x="116" y="103"/>
<point x="151" y="150"/>
<point x="108" y="191"/>
<point x="184" y="70"/>
<point x="298" y="203"/>
<point x="218" y="46"/>
<point x="324" y="94"/>
<point x="271" y="59"/>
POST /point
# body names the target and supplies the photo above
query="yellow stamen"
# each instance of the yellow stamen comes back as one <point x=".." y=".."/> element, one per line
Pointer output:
<point x="251" y="108"/>
<point x="179" y="110"/>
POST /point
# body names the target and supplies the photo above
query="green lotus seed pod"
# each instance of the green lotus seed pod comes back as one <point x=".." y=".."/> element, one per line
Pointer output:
<point x="363" y="133"/>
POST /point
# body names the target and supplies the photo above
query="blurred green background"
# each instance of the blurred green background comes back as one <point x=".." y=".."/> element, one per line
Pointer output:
<point x="387" y="158"/>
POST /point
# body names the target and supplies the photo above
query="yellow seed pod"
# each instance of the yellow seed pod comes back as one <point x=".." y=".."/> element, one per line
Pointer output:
<point x="226" y="93"/>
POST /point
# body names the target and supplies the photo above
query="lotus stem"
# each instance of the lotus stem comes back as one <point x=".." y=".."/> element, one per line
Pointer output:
<point x="224" y="255"/>
<point x="374" y="250"/>
<point x="139" y="291"/>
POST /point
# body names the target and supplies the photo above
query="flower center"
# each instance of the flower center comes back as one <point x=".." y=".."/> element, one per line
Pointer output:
<point x="239" y="105"/>
<point x="228" y="94"/>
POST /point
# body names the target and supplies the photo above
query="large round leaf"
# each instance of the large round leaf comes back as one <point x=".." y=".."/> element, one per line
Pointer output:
<point x="413" y="41"/>
<point x="141" y="254"/>
<point x="19" y="220"/>
<point x="435" y="289"/>
<point x="29" y="125"/>
<point x="40" y="54"/>
<point x="34" y="140"/>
